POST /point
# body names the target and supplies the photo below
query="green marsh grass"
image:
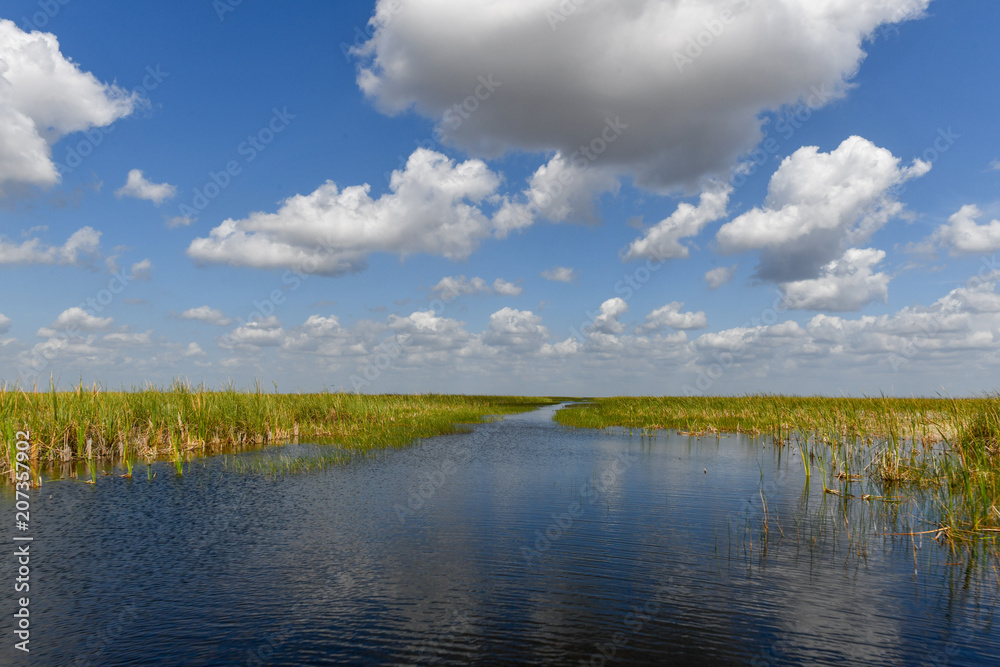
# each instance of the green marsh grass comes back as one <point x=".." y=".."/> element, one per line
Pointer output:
<point x="178" y="422"/>
<point x="940" y="454"/>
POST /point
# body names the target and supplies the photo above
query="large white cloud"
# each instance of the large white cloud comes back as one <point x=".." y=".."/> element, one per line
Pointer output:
<point x="818" y="205"/>
<point x="526" y="81"/>
<point x="43" y="97"/>
<point x="431" y="208"/>
<point x="81" y="247"/>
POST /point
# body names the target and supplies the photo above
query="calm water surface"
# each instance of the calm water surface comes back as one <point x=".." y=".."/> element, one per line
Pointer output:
<point x="521" y="542"/>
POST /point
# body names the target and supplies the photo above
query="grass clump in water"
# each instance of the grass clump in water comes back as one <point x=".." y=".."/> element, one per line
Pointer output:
<point x="941" y="453"/>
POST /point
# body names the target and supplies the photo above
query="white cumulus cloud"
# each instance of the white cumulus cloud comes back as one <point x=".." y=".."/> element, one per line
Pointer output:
<point x="267" y="332"/>
<point x="673" y="317"/>
<point x="504" y="288"/>
<point x="560" y="274"/>
<point x="606" y="321"/>
<point x="531" y="83"/>
<point x="962" y="235"/>
<point x="818" y="205"/>
<point x="431" y="208"/>
<point x="138" y="186"/>
<point x="77" y="318"/>
<point x="142" y="270"/>
<point x="451" y="287"/>
<point x="518" y="330"/>
<point x="207" y="314"/>
<point x="720" y="276"/>
<point x="80" y="247"/>
<point x="848" y="283"/>
<point x="558" y="191"/>
<point x="663" y="240"/>
<point x="45" y="96"/>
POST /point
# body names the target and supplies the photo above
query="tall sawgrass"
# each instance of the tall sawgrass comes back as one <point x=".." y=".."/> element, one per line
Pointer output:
<point x="91" y="423"/>
<point x="778" y="416"/>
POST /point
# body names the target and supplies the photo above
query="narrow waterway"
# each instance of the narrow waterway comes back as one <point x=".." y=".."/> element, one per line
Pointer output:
<point x="520" y="542"/>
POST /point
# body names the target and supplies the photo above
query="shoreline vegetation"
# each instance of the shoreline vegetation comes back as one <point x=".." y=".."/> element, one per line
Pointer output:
<point x="93" y="425"/>
<point x="940" y="456"/>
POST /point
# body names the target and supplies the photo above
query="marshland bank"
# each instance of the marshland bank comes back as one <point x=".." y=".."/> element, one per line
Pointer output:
<point x="92" y="424"/>
<point x="878" y="449"/>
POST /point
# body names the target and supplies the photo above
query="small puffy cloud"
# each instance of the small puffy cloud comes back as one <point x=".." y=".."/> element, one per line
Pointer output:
<point x="518" y="330"/>
<point x="438" y="338"/>
<point x="962" y="235"/>
<point x="207" y="314"/>
<point x="818" y="205"/>
<point x="180" y="221"/>
<point x="78" y="319"/>
<point x="318" y="333"/>
<point x="720" y="276"/>
<point x="4" y="324"/>
<point x="267" y="332"/>
<point x="431" y="208"/>
<point x="606" y="321"/>
<point x="671" y="316"/>
<point x="139" y="187"/>
<point x="504" y="288"/>
<point x="538" y="80"/>
<point x="142" y="270"/>
<point x="317" y="325"/>
<point x="845" y="284"/>
<point x="80" y="247"/>
<point x="560" y="274"/>
<point x="663" y="240"/>
<point x="451" y="287"/>
<point x="194" y="350"/>
<point x="45" y="96"/>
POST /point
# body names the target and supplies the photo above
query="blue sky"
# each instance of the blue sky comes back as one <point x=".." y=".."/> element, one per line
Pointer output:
<point x="532" y="197"/>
